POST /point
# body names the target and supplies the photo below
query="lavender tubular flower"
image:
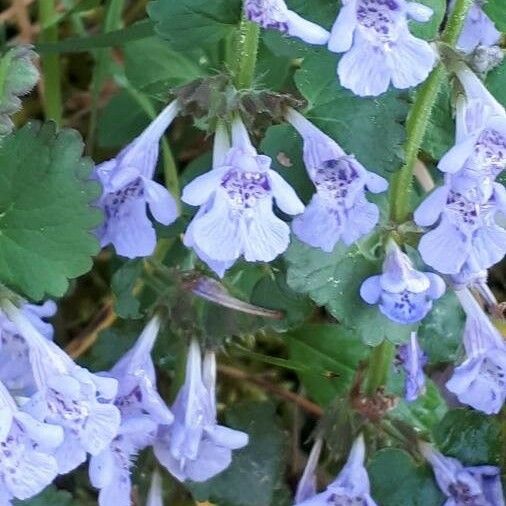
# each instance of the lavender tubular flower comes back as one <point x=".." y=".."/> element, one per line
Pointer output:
<point x="351" y="485"/>
<point x="68" y="396"/>
<point x="195" y="447"/>
<point x="412" y="359"/>
<point x="155" y="497"/>
<point x="142" y="411"/>
<point x="480" y="381"/>
<point x="478" y="486"/>
<point x="220" y="150"/>
<point x="403" y="294"/>
<point x="276" y="15"/>
<point x="27" y="446"/>
<point x="467" y="234"/>
<point x="238" y="219"/>
<point x="306" y="489"/>
<point x="478" y="30"/>
<point x="129" y="188"/>
<point x="378" y="47"/>
<point x="339" y="209"/>
<point x="15" y="369"/>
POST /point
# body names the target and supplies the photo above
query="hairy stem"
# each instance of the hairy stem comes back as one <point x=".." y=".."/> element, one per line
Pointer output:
<point x="418" y="119"/>
<point x="246" y="53"/>
<point x="50" y="63"/>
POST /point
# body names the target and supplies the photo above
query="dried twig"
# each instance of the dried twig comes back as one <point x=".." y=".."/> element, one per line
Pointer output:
<point x="308" y="406"/>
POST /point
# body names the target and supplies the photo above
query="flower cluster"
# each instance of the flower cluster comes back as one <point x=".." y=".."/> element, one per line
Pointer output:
<point x="61" y="413"/>
<point x="467" y="238"/>
<point x="373" y="35"/>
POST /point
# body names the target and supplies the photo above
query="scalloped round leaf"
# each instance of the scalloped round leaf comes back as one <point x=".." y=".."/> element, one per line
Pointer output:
<point x="194" y="23"/>
<point x="367" y="127"/>
<point x="331" y="354"/>
<point x="472" y="437"/>
<point x="397" y="481"/>
<point x="496" y="10"/>
<point x="333" y="280"/>
<point x="46" y="213"/>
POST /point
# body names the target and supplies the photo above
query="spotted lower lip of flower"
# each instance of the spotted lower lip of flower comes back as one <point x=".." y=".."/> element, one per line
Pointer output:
<point x="238" y="197"/>
<point x="339" y="209"/>
<point x="276" y="15"/>
<point x="378" y="47"/>
<point x="351" y="485"/>
<point x="479" y="485"/>
<point x="27" y="464"/>
<point x="129" y="189"/>
<point x="68" y="396"/>
<point x="195" y="447"/>
<point x="403" y="294"/>
<point x="466" y="230"/>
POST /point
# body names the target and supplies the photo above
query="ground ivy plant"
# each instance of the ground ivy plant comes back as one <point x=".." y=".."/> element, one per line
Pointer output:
<point x="250" y="253"/>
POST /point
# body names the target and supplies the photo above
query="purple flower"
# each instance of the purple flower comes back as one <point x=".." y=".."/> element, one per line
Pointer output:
<point x="220" y="150"/>
<point x="68" y="396"/>
<point x="195" y="447"/>
<point x="480" y="381"/>
<point x="275" y="14"/>
<point x="129" y="187"/>
<point x="479" y="154"/>
<point x="142" y="411"/>
<point x="27" y="446"/>
<point x="339" y="209"/>
<point x="412" y="359"/>
<point x="351" y="486"/>
<point x="378" y="47"/>
<point x="306" y="489"/>
<point x="467" y="234"/>
<point x="404" y="295"/>
<point x="479" y="486"/>
<point x="238" y="219"/>
<point x="15" y="369"/>
<point x="478" y="30"/>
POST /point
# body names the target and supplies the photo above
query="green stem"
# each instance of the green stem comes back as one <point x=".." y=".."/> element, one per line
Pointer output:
<point x="419" y="117"/>
<point x="380" y="362"/>
<point x="246" y="54"/>
<point x="51" y="62"/>
<point x="112" y="21"/>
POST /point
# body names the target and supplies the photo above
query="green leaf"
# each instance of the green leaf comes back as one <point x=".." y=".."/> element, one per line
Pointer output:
<point x="423" y="413"/>
<point x="153" y="67"/>
<point x="429" y="30"/>
<point x="253" y="478"/>
<point x="397" y="481"/>
<point x="199" y="23"/>
<point x="122" y="284"/>
<point x="121" y="120"/>
<point x="139" y="30"/>
<point x="470" y="436"/>
<point x="273" y="293"/>
<point x="440" y="134"/>
<point x="51" y="496"/>
<point x="368" y="127"/>
<point x="333" y="280"/>
<point x="284" y="146"/>
<point x="496" y="9"/>
<point x="495" y="83"/>
<point x="440" y="333"/>
<point x="18" y="75"/>
<point x="47" y="217"/>
<point x="332" y="348"/>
